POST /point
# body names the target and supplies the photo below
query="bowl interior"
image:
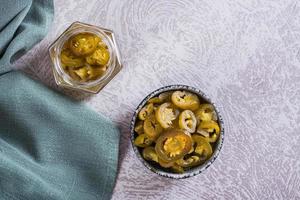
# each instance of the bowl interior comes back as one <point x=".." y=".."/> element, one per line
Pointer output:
<point x="166" y="172"/>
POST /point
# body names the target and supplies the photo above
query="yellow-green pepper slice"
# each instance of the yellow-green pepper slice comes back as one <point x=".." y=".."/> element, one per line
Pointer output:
<point x="173" y="145"/>
<point x="96" y="72"/>
<point x="191" y="161"/>
<point x="206" y="112"/>
<point x="203" y="148"/>
<point x="142" y="141"/>
<point x="70" y="60"/>
<point x="83" y="44"/>
<point x="150" y="154"/>
<point x="146" y="111"/>
<point x="187" y="121"/>
<point x="72" y="74"/>
<point x="165" y="164"/>
<point x="185" y="100"/>
<point x="99" y="57"/>
<point x="163" y="97"/>
<point x="152" y="128"/>
<point x="212" y="128"/>
<point x="139" y="127"/>
<point x="82" y="73"/>
<point x="165" y="114"/>
<point x="154" y="100"/>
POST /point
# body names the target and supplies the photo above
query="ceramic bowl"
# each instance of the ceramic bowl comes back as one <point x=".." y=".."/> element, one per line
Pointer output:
<point x="166" y="172"/>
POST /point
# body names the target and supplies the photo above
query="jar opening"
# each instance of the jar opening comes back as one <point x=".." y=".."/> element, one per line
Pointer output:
<point x="85" y="29"/>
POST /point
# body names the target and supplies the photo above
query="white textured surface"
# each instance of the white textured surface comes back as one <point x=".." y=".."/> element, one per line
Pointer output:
<point x="244" y="54"/>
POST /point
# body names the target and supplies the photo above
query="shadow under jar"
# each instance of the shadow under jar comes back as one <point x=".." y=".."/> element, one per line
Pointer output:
<point x="85" y="57"/>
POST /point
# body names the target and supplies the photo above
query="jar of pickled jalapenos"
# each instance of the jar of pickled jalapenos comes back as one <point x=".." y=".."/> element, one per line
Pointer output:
<point x="85" y="57"/>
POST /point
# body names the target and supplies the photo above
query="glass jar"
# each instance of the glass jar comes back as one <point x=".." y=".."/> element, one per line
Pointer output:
<point x="114" y="65"/>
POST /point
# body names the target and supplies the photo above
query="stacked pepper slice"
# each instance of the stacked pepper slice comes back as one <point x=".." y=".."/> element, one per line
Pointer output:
<point x="84" y="57"/>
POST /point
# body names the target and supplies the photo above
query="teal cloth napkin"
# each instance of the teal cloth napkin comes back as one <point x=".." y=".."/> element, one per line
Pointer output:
<point x="50" y="146"/>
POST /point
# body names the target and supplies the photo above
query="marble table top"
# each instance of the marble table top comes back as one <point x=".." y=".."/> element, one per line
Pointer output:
<point x="244" y="54"/>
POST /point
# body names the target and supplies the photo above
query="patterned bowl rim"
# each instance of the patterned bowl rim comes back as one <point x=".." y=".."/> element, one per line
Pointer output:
<point x="193" y="171"/>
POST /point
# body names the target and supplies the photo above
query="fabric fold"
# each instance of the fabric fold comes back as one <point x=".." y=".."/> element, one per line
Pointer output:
<point x="51" y="147"/>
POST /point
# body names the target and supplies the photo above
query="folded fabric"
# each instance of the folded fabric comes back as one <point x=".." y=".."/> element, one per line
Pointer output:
<point x="50" y="146"/>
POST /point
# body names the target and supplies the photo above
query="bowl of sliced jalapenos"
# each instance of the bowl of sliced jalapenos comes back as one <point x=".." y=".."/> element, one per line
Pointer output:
<point x="177" y="132"/>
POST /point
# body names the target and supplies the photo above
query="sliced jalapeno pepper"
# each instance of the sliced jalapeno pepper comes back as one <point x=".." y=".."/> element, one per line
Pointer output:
<point x="82" y="73"/>
<point x="185" y="100"/>
<point x="206" y="112"/>
<point x="173" y="144"/>
<point x="68" y="59"/>
<point x="164" y="163"/>
<point x="139" y="127"/>
<point x="150" y="154"/>
<point x="83" y="44"/>
<point x="203" y="148"/>
<point x="96" y="72"/>
<point x="155" y="100"/>
<point x="187" y="121"/>
<point x="73" y="75"/>
<point x="146" y="111"/>
<point x="212" y="128"/>
<point x="142" y="141"/>
<point x="152" y="128"/>
<point x="163" y="97"/>
<point x="189" y="162"/>
<point x="202" y="132"/>
<point x="165" y="114"/>
<point x="99" y="57"/>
